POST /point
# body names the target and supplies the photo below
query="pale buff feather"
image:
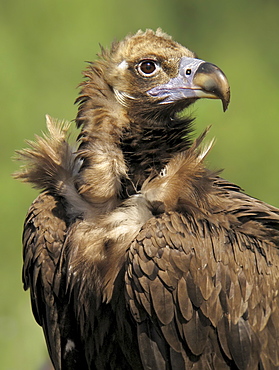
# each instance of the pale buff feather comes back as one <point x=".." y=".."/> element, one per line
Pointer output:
<point x="96" y="244"/>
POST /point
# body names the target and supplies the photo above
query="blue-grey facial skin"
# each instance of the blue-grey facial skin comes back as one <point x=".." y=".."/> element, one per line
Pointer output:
<point x="196" y="79"/>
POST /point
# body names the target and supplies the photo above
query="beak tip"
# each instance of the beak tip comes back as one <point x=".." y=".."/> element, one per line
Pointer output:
<point x="226" y="100"/>
<point x="225" y="105"/>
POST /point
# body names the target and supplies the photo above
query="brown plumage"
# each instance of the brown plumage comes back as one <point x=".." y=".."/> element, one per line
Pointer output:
<point x="136" y="255"/>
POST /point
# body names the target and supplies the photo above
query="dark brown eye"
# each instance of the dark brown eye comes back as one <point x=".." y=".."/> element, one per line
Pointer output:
<point x="147" y="67"/>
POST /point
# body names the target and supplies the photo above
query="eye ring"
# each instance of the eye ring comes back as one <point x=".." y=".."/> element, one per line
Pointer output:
<point x="147" y="67"/>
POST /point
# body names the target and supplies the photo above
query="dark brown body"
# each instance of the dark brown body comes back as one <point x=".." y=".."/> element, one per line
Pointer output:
<point x="136" y="255"/>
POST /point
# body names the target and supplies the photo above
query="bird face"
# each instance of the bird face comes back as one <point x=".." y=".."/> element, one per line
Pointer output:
<point x="153" y="73"/>
<point x="196" y="79"/>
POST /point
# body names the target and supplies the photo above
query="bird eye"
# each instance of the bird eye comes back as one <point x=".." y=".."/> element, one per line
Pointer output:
<point x="147" y="67"/>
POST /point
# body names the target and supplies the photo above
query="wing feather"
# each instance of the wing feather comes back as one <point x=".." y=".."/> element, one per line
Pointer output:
<point x="44" y="234"/>
<point x="162" y="301"/>
<point x="196" y="333"/>
<point x="206" y="290"/>
<point x="43" y="237"/>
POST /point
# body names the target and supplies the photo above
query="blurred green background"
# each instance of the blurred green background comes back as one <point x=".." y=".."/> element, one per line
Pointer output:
<point x="43" y="46"/>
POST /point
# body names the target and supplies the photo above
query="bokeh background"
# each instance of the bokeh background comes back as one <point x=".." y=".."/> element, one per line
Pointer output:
<point x="43" y="48"/>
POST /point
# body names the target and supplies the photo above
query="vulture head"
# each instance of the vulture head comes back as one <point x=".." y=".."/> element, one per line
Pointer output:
<point x="134" y="93"/>
<point x="151" y="76"/>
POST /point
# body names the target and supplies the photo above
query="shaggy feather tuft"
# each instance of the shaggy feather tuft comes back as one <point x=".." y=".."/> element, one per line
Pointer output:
<point x="51" y="164"/>
<point x="50" y="160"/>
<point x="183" y="178"/>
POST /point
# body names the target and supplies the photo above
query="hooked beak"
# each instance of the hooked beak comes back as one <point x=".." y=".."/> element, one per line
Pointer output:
<point x="196" y="79"/>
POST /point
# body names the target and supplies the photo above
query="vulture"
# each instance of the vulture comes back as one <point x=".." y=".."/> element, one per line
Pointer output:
<point x="136" y="255"/>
